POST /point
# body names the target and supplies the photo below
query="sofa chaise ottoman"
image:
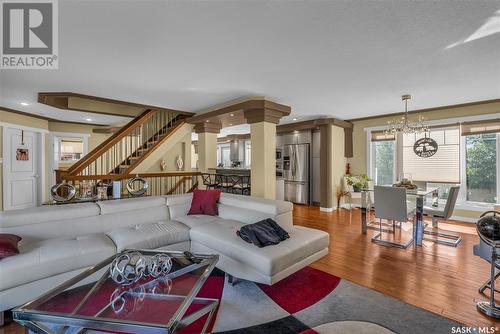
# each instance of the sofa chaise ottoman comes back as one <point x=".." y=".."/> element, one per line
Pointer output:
<point x="61" y="241"/>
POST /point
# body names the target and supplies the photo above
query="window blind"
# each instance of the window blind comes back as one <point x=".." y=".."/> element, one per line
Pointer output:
<point x="444" y="166"/>
<point x="480" y="127"/>
<point x="381" y="136"/>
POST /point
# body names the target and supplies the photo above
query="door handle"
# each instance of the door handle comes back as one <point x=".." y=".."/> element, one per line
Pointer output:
<point x="36" y="176"/>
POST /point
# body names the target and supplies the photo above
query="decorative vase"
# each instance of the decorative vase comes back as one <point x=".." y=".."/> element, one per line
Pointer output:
<point x="163" y="165"/>
<point x="179" y="162"/>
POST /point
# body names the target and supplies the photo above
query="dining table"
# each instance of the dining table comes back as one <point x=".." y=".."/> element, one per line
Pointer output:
<point x="416" y="195"/>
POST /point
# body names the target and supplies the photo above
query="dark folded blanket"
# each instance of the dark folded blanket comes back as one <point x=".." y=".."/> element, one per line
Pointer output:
<point x="264" y="233"/>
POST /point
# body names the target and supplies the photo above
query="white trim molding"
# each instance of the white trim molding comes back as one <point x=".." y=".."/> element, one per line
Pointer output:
<point x="22" y="127"/>
<point x="327" y="209"/>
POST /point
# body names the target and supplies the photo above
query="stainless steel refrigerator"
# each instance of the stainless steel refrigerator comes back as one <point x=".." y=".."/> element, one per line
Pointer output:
<point x="296" y="172"/>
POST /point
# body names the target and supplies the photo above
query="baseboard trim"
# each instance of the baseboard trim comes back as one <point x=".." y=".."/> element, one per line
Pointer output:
<point x="464" y="219"/>
<point x="326" y="209"/>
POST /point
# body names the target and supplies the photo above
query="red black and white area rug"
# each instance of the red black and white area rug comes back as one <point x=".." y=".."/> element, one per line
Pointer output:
<point x="312" y="301"/>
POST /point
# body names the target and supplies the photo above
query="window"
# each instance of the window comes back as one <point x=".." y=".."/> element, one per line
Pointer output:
<point x="383" y="161"/>
<point x="68" y="150"/>
<point x="466" y="155"/>
<point x="481" y="167"/>
<point x="223" y="155"/>
<point x="248" y="153"/>
<point x="444" y="166"/>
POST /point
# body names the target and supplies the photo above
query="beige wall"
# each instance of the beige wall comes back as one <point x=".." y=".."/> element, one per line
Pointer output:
<point x="178" y="144"/>
<point x="338" y="160"/>
<point x="358" y="162"/>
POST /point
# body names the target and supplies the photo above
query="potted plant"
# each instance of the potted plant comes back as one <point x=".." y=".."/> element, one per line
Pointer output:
<point x="358" y="182"/>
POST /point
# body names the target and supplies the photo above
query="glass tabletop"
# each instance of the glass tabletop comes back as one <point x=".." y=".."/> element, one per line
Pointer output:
<point x="93" y="300"/>
<point x="417" y="192"/>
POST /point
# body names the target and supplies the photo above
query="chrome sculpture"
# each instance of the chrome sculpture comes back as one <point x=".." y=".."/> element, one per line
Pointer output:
<point x="70" y="192"/>
<point x="143" y="186"/>
<point x="130" y="266"/>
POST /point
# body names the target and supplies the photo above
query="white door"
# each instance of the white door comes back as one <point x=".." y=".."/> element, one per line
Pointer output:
<point x="21" y="169"/>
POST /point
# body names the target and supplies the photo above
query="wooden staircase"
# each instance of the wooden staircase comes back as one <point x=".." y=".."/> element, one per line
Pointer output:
<point x="128" y="147"/>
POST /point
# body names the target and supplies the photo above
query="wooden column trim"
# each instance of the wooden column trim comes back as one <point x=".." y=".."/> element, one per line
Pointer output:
<point x="326" y="191"/>
<point x="348" y="150"/>
<point x="263" y="115"/>
<point x="210" y="127"/>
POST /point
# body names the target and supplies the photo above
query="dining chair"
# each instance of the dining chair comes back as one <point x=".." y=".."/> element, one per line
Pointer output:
<point x="391" y="203"/>
<point x="443" y="213"/>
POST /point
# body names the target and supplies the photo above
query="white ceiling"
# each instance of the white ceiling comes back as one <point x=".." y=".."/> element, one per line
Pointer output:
<point x="343" y="59"/>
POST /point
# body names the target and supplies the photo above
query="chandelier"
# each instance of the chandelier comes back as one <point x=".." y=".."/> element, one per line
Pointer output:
<point x="405" y="125"/>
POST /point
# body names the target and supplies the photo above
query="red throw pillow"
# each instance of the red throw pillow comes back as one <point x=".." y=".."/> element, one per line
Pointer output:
<point x="205" y="202"/>
<point x="8" y="245"/>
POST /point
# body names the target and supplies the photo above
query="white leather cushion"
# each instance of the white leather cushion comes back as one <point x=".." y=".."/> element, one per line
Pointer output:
<point x="221" y="237"/>
<point x="179" y="199"/>
<point x="113" y="221"/>
<point x="47" y="213"/>
<point x="54" y="256"/>
<point x="149" y="236"/>
<point x="179" y="210"/>
<point x="196" y="220"/>
<point x="243" y="215"/>
<point x="273" y="207"/>
<point x="131" y="204"/>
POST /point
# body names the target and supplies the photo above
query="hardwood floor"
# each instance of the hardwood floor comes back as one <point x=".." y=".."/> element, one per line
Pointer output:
<point x="438" y="278"/>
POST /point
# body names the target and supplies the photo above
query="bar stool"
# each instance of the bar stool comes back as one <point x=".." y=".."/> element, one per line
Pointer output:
<point x="209" y="180"/>
<point x="222" y="182"/>
<point x="242" y="184"/>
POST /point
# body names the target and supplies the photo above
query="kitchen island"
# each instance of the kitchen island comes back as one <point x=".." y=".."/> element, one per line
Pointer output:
<point x="230" y="171"/>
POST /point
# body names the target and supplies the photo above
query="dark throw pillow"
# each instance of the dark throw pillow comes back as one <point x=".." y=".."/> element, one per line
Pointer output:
<point x="205" y="202"/>
<point x="8" y="245"/>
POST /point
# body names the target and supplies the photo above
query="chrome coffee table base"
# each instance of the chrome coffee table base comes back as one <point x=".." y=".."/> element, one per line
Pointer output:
<point x="488" y="309"/>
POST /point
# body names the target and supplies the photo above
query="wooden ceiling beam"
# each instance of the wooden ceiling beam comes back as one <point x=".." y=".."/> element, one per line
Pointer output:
<point x="61" y="100"/>
<point x="243" y="112"/>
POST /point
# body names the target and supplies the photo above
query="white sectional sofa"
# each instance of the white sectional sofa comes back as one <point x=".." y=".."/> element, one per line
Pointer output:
<point x="61" y="241"/>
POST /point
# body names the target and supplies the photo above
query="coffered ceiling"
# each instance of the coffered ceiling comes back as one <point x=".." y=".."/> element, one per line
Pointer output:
<point x="341" y="59"/>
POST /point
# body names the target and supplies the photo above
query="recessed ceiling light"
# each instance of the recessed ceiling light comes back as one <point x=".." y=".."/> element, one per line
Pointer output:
<point x="232" y="115"/>
<point x="230" y="124"/>
<point x="294" y="119"/>
<point x="208" y="120"/>
<point x="24" y="104"/>
<point x="88" y="119"/>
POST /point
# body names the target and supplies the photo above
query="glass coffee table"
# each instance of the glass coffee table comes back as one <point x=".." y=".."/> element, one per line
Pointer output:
<point x="93" y="301"/>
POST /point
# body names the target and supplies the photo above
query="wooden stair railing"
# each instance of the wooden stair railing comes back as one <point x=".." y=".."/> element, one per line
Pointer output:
<point x="120" y="153"/>
<point x="166" y="183"/>
<point x="151" y="144"/>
